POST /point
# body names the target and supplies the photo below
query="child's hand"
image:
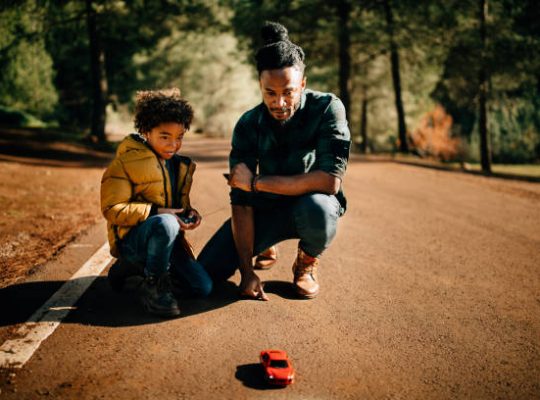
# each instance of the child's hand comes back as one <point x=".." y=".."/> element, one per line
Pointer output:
<point x="173" y="211"/>
<point x="193" y="216"/>
<point x="195" y="220"/>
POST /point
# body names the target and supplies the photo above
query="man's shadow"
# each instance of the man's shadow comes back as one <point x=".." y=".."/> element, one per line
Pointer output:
<point x="282" y="289"/>
<point x="99" y="305"/>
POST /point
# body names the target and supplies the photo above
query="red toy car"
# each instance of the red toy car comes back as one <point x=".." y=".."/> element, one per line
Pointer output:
<point x="277" y="367"/>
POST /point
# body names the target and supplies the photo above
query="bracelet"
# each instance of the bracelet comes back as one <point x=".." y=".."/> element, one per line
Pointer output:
<point x="254" y="183"/>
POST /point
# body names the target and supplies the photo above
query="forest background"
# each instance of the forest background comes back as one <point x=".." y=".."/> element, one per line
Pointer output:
<point x="455" y="80"/>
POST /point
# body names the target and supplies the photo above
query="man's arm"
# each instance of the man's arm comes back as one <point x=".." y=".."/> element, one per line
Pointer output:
<point x="296" y="185"/>
<point x="243" y="228"/>
<point x="332" y="154"/>
<point x="243" y="225"/>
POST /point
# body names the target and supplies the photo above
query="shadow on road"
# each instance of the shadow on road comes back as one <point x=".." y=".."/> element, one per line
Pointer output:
<point x="100" y="306"/>
<point x="251" y="375"/>
<point x="282" y="289"/>
<point x="63" y="157"/>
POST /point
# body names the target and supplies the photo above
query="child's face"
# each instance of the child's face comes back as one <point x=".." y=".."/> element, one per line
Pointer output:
<point x="166" y="139"/>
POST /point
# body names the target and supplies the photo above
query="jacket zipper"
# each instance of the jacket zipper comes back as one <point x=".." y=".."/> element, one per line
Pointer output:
<point x="164" y="183"/>
<point x="162" y="173"/>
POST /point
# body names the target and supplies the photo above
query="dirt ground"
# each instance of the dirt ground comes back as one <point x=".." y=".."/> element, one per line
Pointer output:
<point x="49" y="193"/>
<point x="431" y="290"/>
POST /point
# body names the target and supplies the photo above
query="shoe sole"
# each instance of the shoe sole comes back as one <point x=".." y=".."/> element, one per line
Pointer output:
<point x="307" y="296"/>
<point x="264" y="264"/>
<point x="303" y="295"/>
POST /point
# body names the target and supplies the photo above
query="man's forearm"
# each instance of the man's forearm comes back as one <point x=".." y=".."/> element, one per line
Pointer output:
<point x="243" y="228"/>
<point x="295" y="185"/>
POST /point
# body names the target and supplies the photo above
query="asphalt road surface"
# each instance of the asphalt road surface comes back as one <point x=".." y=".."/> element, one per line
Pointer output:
<point x="431" y="290"/>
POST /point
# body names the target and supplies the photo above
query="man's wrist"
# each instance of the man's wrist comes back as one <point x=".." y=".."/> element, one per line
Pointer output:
<point x="254" y="183"/>
<point x="246" y="270"/>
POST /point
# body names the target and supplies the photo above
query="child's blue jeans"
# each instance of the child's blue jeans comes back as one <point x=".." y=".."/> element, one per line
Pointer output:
<point x="312" y="218"/>
<point x="156" y="244"/>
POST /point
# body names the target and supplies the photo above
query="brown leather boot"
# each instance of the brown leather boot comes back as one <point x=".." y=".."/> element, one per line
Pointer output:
<point x="267" y="258"/>
<point x="305" y="275"/>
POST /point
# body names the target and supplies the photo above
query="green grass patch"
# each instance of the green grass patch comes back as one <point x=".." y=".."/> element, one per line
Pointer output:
<point x="520" y="170"/>
<point x="10" y="116"/>
<point x="532" y="170"/>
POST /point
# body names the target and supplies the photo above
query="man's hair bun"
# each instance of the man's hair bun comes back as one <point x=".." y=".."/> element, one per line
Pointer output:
<point x="278" y="51"/>
<point x="273" y="32"/>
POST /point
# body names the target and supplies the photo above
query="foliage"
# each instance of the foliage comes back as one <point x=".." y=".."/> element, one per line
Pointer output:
<point x="433" y="135"/>
<point x="512" y="62"/>
<point x="45" y="63"/>
<point x="216" y="81"/>
<point x="126" y="28"/>
<point x="13" y="117"/>
<point x="26" y="81"/>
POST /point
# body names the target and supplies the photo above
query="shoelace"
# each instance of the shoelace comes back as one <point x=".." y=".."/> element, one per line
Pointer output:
<point x="302" y="269"/>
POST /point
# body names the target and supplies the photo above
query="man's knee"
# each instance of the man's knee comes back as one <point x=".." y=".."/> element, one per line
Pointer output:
<point x="165" y="224"/>
<point x="317" y="209"/>
<point x="204" y="288"/>
<point x="316" y="217"/>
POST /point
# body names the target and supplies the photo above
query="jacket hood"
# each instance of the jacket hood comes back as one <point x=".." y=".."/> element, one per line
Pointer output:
<point x="130" y="143"/>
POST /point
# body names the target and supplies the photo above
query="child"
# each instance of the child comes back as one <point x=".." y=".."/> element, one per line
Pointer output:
<point x="145" y="199"/>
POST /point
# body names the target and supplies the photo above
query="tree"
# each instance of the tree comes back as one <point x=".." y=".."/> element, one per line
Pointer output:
<point x="396" y="77"/>
<point x="485" y="145"/>
<point x="491" y="68"/>
<point x="343" y="9"/>
<point x="26" y="81"/>
<point x="99" y="75"/>
<point x="95" y="67"/>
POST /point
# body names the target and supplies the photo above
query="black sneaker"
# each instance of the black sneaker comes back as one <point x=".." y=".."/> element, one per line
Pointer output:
<point x="119" y="272"/>
<point x="157" y="297"/>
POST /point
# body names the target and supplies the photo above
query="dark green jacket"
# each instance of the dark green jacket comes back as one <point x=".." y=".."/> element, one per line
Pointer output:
<point x="316" y="138"/>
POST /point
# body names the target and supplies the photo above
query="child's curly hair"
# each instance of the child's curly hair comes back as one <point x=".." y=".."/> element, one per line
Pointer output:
<point x="154" y="107"/>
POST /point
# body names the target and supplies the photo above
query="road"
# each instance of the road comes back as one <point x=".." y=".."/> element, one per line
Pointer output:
<point x="431" y="290"/>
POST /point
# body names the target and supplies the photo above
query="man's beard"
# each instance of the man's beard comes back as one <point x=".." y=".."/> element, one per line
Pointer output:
<point x="283" y="122"/>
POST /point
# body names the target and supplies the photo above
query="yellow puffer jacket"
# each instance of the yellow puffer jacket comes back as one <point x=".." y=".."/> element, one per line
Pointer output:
<point x="134" y="181"/>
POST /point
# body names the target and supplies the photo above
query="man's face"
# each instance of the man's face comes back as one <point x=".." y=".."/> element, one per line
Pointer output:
<point x="282" y="91"/>
<point x="166" y="139"/>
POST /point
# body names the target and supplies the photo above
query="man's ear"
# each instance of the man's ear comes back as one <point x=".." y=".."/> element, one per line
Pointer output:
<point x="304" y="81"/>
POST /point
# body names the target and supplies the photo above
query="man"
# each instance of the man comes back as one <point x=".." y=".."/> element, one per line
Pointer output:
<point x="287" y="162"/>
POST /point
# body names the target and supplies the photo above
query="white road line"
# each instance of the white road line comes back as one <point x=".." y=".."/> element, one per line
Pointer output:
<point x="15" y="353"/>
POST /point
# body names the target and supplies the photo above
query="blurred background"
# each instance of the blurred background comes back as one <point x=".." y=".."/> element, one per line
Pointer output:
<point x="455" y="81"/>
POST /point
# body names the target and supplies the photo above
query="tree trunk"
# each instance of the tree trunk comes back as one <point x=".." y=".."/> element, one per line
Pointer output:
<point x="485" y="142"/>
<point x="363" y="122"/>
<point x="98" y="75"/>
<point x="394" y="60"/>
<point x="344" y="39"/>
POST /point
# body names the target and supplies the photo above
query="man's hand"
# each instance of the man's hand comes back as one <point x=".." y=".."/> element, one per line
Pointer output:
<point x="251" y="286"/>
<point x="241" y="177"/>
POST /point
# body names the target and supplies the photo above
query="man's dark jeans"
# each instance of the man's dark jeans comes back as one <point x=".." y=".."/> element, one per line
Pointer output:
<point x="312" y="218"/>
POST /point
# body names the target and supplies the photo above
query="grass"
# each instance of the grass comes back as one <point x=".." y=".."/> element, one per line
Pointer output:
<point x="511" y="169"/>
<point x="518" y="170"/>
